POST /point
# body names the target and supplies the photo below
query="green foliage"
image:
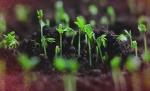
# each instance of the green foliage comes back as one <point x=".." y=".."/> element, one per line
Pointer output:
<point x="134" y="44"/>
<point x="93" y="9"/>
<point x="60" y="29"/>
<point x="80" y="22"/>
<point x="115" y="63"/>
<point x="133" y="64"/>
<point x="102" y="40"/>
<point x="45" y="41"/>
<point x="146" y="56"/>
<point x="122" y="38"/>
<point x="111" y="13"/>
<point x="9" y="41"/>
<point x="65" y="65"/>
<point x="2" y="23"/>
<point x="40" y="14"/>
<point x="142" y="27"/>
<point x="104" y="20"/>
<point x="22" y="12"/>
<point x="27" y="63"/>
<point x="88" y="30"/>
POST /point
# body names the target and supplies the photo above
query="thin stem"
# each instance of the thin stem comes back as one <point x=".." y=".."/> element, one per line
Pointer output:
<point x="145" y="43"/>
<point x="79" y="44"/>
<point x="60" y="44"/>
<point x="136" y="52"/>
<point x="90" y="59"/>
<point x="97" y="53"/>
<point x="101" y="55"/>
<point x="42" y="36"/>
<point x="72" y="40"/>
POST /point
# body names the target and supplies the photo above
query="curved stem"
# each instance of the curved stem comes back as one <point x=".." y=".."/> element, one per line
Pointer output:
<point x="79" y="43"/>
<point x="90" y="59"/>
<point x="60" y="44"/>
<point x="145" y="43"/>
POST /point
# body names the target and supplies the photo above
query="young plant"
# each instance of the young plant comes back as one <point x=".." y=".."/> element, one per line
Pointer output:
<point x="69" y="68"/>
<point x="142" y="28"/>
<point x="80" y="22"/>
<point x="9" y="41"/>
<point x="60" y="15"/>
<point x="122" y="38"/>
<point x="118" y="78"/>
<point x="2" y="23"/>
<point x="27" y="65"/>
<point x="93" y="9"/>
<point x="60" y="30"/>
<point x="89" y="35"/>
<point x="101" y="42"/>
<point x="44" y="40"/>
<point x="112" y="14"/>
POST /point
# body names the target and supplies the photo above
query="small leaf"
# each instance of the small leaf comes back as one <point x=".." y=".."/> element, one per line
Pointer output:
<point x="142" y="27"/>
<point x="134" y="44"/>
<point x="122" y="38"/>
<point x="80" y="22"/>
<point x="115" y="62"/>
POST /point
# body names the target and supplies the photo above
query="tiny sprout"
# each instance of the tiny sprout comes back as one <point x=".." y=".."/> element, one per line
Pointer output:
<point x="22" y="12"/>
<point x="115" y="63"/>
<point x="65" y="65"/>
<point x="93" y="9"/>
<point x="101" y="41"/>
<point x="80" y="22"/>
<point x="104" y="20"/>
<point x="133" y="64"/>
<point x="40" y="14"/>
<point x="134" y="46"/>
<point x="111" y="13"/>
<point x="122" y="38"/>
<point x="27" y="63"/>
<point x="142" y="28"/>
<point x="2" y="23"/>
<point x="89" y="34"/>
<point x="60" y="30"/>
<point x="9" y="41"/>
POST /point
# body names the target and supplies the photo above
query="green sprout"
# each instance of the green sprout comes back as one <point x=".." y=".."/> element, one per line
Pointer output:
<point x="89" y="35"/>
<point x="146" y="57"/>
<point x="10" y="41"/>
<point x="22" y="12"/>
<point x="104" y="20"/>
<point x="2" y="23"/>
<point x="44" y="40"/>
<point x="57" y="51"/>
<point x="111" y="13"/>
<point x="115" y="63"/>
<point x="70" y="67"/>
<point x="93" y="9"/>
<point x="133" y="64"/>
<point x="27" y="63"/>
<point x="122" y="38"/>
<point x="101" y="42"/>
<point x="60" y="15"/>
<point x="70" y="33"/>
<point x="80" y="22"/>
<point x="142" y="28"/>
<point x="60" y="30"/>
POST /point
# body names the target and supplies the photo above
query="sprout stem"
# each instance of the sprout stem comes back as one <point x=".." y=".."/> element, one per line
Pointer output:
<point x="145" y="43"/>
<point x="79" y="44"/>
<point x="60" y="44"/>
<point x="90" y="59"/>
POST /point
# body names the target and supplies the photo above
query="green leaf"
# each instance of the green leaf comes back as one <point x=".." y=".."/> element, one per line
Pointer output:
<point x="93" y="9"/>
<point x="80" y="22"/>
<point x="134" y="44"/>
<point x="88" y="30"/>
<point x="102" y="40"/>
<point x="142" y="27"/>
<point x="27" y="63"/>
<point x="115" y="62"/>
<point x="60" y="29"/>
<point x="122" y="38"/>
<point x="40" y="14"/>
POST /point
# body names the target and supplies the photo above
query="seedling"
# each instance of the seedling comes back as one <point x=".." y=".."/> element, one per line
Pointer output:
<point x="118" y="78"/>
<point x="89" y="35"/>
<point x="80" y="22"/>
<point x="93" y="9"/>
<point x="101" y="42"/>
<point x="93" y="23"/>
<point x="142" y="28"/>
<point x="22" y="12"/>
<point x="104" y="20"/>
<point x="2" y="23"/>
<point x="44" y="40"/>
<point x="60" y="15"/>
<point x="9" y="41"/>
<point x="27" y="65"/>
<point x="122" y="38"/>
<point x="60" y="30"/>
<point x="112" y="14"/>
<point x="70" y="67"/>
